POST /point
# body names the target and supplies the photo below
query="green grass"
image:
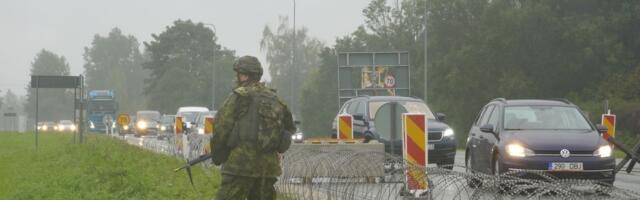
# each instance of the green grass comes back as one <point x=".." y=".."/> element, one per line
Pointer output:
<point x="101" y="168"/>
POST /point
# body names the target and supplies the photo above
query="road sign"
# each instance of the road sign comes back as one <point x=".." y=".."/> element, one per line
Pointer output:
<point x="123" y="119"/>
<point x="414" y="128"/>
<point x="390" y="81"/>
<point x="107" y="119"/>
<point x="609" y="121"/>
<point x="345" y="127"/>
<point x="209" y="125"/>
<point x="55" y="82"/>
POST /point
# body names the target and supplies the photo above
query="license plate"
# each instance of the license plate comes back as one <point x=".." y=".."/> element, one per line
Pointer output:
<point x="565" y="166"/>
<point x="432" y="146"/>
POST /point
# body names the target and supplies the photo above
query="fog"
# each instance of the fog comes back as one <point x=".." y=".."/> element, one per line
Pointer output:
<point x="66" y="27"/>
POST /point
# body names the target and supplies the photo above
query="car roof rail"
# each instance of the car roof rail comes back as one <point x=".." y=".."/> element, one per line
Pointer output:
<point x="562" y="100"/>
<point x="500" y="99"/>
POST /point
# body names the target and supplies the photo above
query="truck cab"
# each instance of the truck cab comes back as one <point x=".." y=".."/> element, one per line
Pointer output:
<point x="100" y="103"/>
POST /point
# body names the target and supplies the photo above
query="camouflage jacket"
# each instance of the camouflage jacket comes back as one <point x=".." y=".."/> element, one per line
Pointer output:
<point x="243" y="158"/>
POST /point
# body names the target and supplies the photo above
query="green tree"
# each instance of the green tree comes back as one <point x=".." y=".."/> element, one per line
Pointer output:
<point x="287" y="75"/>
<point x="54" y="104"/>
<point x="11" y="102"/>
<point x="115" y="62"/>
<point x="480" y="50"/>
<point x="181" y="62"/>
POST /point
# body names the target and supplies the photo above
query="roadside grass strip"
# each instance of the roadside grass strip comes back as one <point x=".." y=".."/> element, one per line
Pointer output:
<point x="101" y="168"/>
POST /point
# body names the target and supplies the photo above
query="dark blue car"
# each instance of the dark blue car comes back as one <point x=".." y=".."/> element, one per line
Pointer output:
<point x="551" y="136"/>
<point x="364" y="109"/>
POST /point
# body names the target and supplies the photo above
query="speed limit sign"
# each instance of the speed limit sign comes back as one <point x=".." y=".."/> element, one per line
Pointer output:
<point x="389" y="81"/>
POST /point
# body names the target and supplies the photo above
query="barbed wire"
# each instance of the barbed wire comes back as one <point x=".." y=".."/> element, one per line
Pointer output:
<point x="325" y="173"/>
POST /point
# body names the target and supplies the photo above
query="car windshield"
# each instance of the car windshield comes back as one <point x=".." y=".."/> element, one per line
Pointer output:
<point x="411" y="106"/>
<point x="96" y="106"/>
<point x="544" y="118"/>
<point x="154" y="116"/>
<point x="188" y="116"/>
<point x="167" y="119"/>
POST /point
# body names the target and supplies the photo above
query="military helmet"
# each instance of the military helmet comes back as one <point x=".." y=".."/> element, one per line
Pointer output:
<point x="248" y="65"/>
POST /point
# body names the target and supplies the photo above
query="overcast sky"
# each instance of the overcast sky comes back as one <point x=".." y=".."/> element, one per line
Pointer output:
<point x="66" y="27"/>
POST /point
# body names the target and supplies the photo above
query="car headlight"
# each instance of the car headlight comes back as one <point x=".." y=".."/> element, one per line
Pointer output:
<point x="113" y="125"/>
<point x="45" y="128"/>
<point x="517" y="150"/>
<point x="448" y="133"/>
<point x="603" y="151"/>
<point x="73" y="127"/>
<point x="125" y="127"/>
<point x="142" y="125"/>
<point x="200" y="131"/>
<point x="299" y="136"/>
<point x="163" y="128"/>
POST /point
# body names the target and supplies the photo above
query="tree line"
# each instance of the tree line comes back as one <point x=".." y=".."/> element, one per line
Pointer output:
<point x="585" y="51"/>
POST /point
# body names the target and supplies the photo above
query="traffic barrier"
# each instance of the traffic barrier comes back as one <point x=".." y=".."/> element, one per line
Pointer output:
<point x="178" y="127"/>
<point x="209" y="125"/>
<point x="345" y="127"/>
<point x="609" y="120"/>
<point x="414" y="132"/>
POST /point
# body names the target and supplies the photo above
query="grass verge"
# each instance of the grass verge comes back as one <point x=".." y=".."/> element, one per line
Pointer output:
<point x="101" y="168"/>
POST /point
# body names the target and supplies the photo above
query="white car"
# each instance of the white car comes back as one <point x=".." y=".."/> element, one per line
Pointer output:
<point x="65" y="125"/>
<point x="189" y="114"/>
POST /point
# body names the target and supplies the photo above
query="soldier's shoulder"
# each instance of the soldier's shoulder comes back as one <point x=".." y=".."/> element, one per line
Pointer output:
<point x="242" y="91"/>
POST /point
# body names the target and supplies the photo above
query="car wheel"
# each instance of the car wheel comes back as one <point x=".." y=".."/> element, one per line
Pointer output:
<point x="448" y="166"/>
<point x="472" y="181"/>
<point x="498" y="170"/>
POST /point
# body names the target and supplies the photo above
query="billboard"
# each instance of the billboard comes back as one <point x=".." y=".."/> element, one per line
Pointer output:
<point x="373" y="74"/>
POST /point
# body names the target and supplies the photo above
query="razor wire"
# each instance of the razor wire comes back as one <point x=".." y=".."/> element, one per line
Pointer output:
<point x="314" y="173"/>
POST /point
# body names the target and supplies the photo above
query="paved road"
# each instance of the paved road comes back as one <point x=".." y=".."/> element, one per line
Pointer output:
<point x="623" y="180"/>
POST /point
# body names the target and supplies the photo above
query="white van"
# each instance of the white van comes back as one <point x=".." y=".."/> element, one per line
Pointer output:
<point x="189" y="114"/>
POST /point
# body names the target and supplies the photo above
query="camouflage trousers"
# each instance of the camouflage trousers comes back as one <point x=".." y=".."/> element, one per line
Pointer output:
<point x="242" y="187"/>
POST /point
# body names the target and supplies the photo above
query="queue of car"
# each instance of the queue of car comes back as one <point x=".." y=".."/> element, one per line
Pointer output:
<point x="551" y="136"/>
<point x="61" y="126"/>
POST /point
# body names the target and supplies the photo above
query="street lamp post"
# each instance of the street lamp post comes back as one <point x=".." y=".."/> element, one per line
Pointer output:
<point x="213" y="70"/>
<point x="425" y="51"/>
<point x="293" y="62"/>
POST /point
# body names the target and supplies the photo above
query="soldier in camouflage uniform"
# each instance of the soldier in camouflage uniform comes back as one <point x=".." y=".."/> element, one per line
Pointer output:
<point x="252" y="128"/>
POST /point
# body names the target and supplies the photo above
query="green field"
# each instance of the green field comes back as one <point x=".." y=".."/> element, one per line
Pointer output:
<point x="101" y="168"/>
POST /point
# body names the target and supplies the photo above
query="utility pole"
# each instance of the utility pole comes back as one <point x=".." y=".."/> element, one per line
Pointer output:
<point x="293" y="62"/>
<point x="213" y="70"/>
<point x="425" y="51"/>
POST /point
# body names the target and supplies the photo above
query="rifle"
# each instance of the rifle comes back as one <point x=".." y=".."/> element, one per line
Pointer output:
<point x="192" y="163"/>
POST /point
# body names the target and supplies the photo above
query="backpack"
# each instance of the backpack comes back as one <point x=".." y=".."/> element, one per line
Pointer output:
<point x="263" y="121"/>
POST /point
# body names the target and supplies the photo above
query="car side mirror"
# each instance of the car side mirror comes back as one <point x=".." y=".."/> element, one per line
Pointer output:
<point x="601" y="129"/>
<point x="487" y="128"/>
<point x="360" y="117"/>
<point x="368" y="136"/>
<point x="441" y="117"/>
